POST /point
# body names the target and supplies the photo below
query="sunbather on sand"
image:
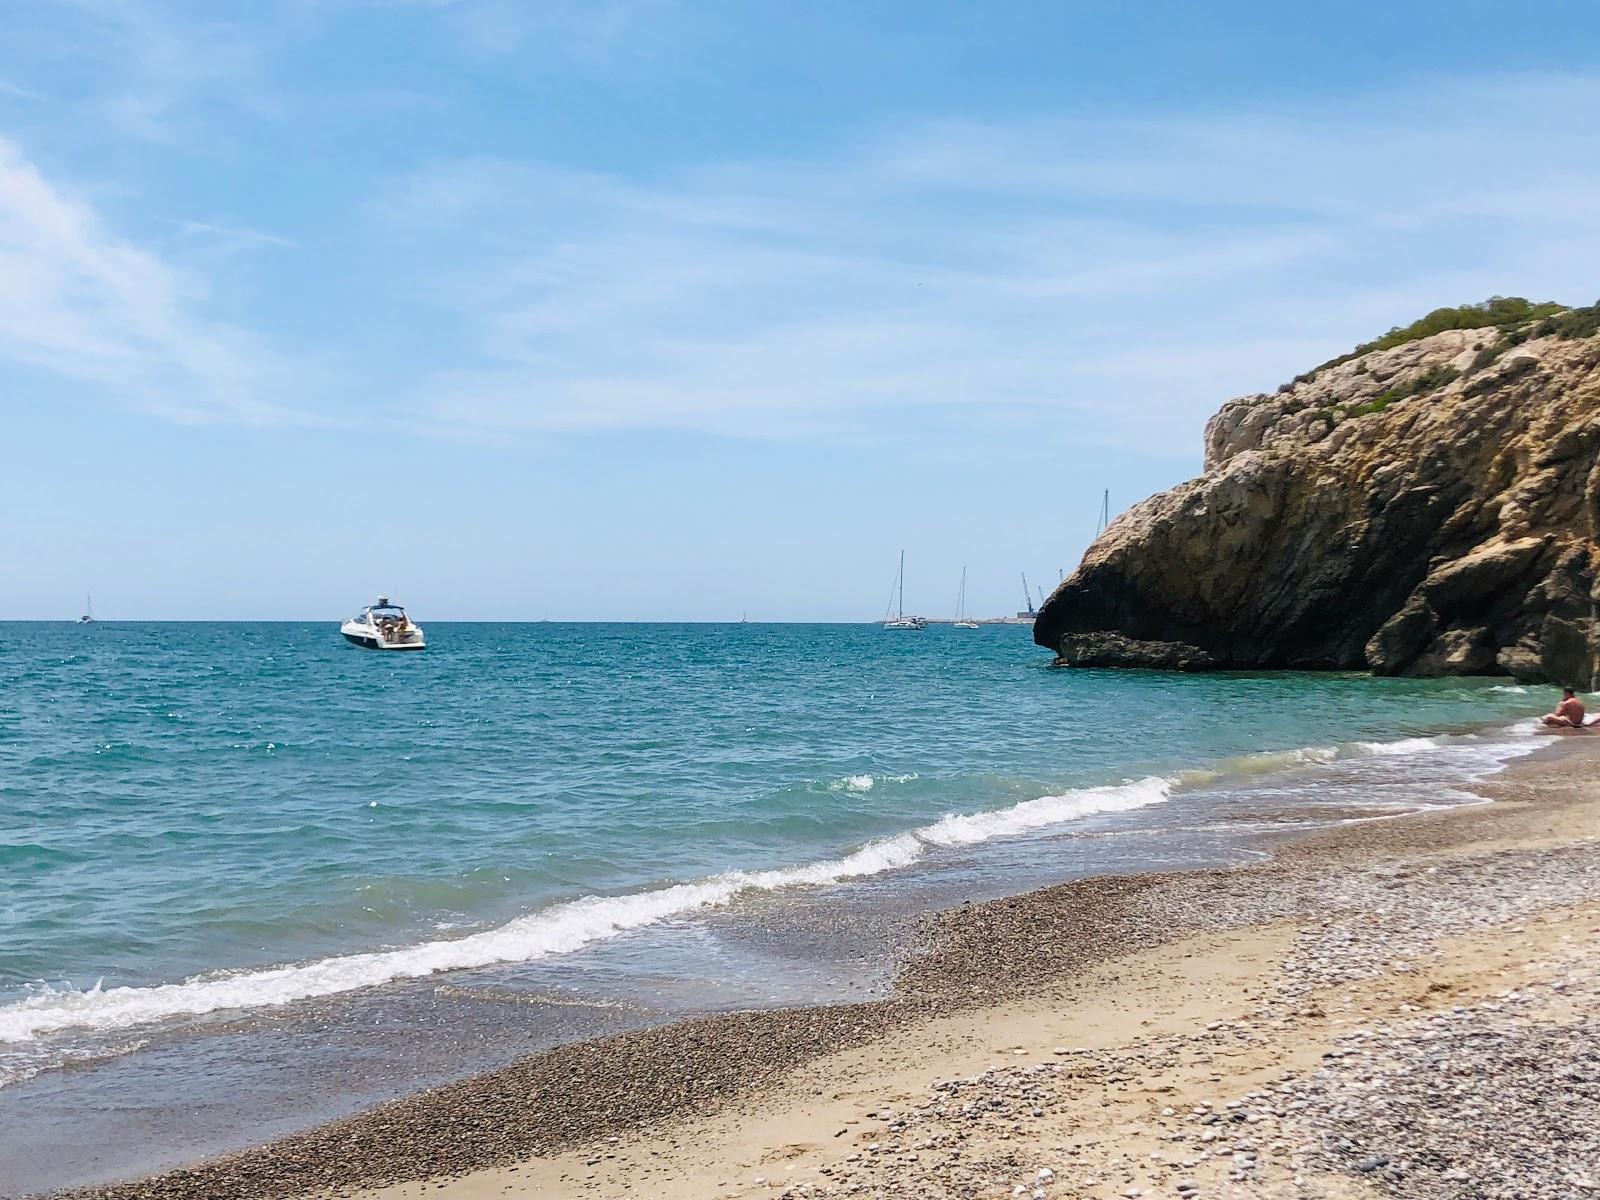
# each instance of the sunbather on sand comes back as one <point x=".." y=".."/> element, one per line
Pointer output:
<point x="1568" y="714"/>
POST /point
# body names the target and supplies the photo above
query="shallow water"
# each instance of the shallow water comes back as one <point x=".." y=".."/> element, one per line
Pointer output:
<point x="232" y="853"/>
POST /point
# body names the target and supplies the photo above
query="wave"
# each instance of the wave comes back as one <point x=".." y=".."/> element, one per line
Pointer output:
<point x="1415" y="745"/>
<point x="559" y="929"/>
<point x="1028" y="815"/>
<point x="1262" y="762"/>
<point x="16" y="1070"/>
<point x="865" y="783"/>
<point x="569" y="926"/>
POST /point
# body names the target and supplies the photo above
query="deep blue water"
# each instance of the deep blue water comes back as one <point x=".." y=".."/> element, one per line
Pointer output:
<point x="203" y="818"/>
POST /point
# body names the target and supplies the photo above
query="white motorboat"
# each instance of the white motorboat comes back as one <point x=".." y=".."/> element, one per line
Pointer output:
<point x="383" y="626"/>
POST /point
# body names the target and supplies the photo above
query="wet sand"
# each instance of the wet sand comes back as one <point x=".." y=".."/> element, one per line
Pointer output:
<point x="1039" y="1042"/>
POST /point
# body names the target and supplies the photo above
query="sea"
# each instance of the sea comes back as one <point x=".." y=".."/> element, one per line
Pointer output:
<point x="253" y="877"/>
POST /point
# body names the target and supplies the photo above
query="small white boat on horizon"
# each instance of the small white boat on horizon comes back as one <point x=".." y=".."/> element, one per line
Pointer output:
<point x="383" y="626"/>
<point x="88" y="611"/>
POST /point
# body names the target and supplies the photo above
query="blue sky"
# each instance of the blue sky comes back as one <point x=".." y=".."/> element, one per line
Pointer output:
<point x="663" y="310"/>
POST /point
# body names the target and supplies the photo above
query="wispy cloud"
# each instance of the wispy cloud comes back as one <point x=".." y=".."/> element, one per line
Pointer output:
<point x="1117" y="276"/>
<point x="234" y="237"/>
<point x="157" y="73"/>
<point x="82" y="303"/>
<point x="17" y="92"/>
<point x="602" y="34"/>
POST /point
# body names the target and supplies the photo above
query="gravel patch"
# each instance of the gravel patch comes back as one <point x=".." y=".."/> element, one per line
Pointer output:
<point x="1500" y="1101"/>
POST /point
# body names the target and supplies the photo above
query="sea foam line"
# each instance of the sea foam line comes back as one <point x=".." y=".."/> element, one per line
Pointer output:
<point x="558" y="929"/>
<point x="569" y="926"/>
<point x="971" y="828"/>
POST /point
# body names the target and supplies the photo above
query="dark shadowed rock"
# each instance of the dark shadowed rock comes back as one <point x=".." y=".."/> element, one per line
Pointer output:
<point x="1414" y="511"/>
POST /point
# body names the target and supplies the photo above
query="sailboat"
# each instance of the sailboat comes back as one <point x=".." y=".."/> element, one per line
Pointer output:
<point x="963" y="621"/>
<point x="900" y="620"/>
<point x="88" y="610"/>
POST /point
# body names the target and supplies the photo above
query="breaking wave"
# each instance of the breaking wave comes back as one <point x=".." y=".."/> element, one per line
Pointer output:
<point x="558" y="929"/>
<point x="572" y="925"/>
<point x="1028" y="815"/>
<point x="1416" y="745"/>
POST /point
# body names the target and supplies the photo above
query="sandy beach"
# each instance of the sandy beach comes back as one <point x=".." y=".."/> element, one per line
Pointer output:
<point x="1394" y="1007"/>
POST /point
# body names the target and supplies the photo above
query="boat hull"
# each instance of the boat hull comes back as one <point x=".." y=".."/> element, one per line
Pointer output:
<point x="368" y="642"/>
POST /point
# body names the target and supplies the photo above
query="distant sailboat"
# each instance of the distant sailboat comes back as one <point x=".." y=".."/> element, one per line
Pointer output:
<point x="963" y="621"/>
<point x="900" y="620"/>
<point x="88" y="610"/>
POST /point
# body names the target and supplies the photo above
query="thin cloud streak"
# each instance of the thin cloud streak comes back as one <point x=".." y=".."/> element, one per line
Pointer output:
<point x="1076" y="270"/>
<point x="79" y="302"/>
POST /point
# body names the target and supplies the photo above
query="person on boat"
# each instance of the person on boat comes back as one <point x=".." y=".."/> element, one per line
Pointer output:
<point x="1568" y="714"/>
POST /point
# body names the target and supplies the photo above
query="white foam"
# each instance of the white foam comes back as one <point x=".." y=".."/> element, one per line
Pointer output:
<point x="16" y="1068"/>
<point x="562" y="928"/>
<point x="865" y="783"/>
<point x="1028" y="815"/>
<point x="1513" y="689"/>
<point x="1401" y="746"/>
<point x="559" y="929"/>
<point x="556" y="930"/>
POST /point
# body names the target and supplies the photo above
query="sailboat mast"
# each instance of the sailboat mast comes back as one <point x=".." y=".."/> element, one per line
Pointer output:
<point x="901" y="587"/>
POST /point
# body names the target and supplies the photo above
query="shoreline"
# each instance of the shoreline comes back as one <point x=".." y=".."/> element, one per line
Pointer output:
<point x="536" y="1115"/>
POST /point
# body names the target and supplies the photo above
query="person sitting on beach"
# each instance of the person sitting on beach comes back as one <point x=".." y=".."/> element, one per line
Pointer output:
<point x="1568" y="714"/>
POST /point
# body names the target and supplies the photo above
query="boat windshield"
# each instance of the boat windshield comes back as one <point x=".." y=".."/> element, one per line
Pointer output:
<point x="381" y="613"/>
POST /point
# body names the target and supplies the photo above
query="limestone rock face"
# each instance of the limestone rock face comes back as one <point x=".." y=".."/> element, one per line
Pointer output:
<point x="1415" y="511"/>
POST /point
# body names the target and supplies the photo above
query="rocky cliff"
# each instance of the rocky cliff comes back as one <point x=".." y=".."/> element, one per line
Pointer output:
<point x="1426" y="508"/>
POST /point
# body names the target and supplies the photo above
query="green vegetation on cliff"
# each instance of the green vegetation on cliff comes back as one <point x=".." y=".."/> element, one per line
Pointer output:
<point x="1570" y="325"/>
<point x="1431" y="380"/>
<point x="1500" y="313"/>
<point x="1497" y="312"/>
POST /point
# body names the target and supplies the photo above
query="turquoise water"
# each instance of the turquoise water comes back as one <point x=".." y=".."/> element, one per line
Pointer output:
<point x="200" y="819"/>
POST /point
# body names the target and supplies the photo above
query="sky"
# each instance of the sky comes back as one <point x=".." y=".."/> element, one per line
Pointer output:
<point x="639" y="309"/>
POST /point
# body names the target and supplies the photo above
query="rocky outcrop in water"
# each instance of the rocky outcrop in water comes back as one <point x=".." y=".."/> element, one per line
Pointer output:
<point x="1431" y="508"/>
